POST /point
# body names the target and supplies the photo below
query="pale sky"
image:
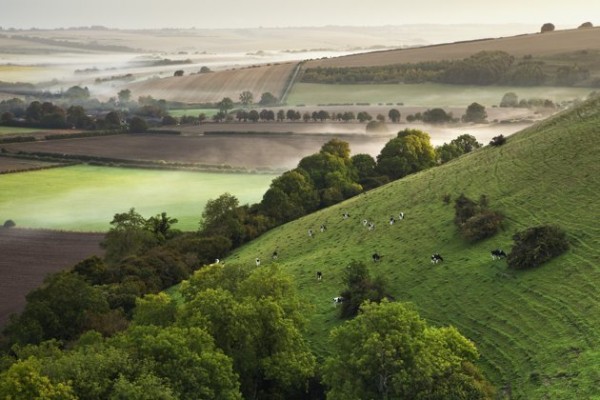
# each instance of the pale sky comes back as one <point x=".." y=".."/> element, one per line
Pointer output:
<point x="564" y="14"/>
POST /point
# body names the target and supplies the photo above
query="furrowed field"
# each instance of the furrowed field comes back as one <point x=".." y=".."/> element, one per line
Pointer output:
<point x="84" y="198"/>
<point x="424" y="95"/>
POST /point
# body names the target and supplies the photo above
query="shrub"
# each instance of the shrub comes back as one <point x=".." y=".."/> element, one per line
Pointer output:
<point x="137" y="125"/>
<point x="547" y="27"/>
<point x="9" y="223"/>
<point x="482" y="225"/>
<point x="498" y="141"/>
<point x="534" y="246"/>
<point x="446" y="198"/>
<point x="359" y="288"/>
<point x="377" y="127"/>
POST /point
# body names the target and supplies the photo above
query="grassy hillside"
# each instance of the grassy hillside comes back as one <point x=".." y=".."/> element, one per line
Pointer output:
<point x="537" y="330"/>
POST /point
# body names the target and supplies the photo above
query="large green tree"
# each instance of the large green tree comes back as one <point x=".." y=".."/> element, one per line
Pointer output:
<point x="389" y="352"/>
<point x="409" y="152"/>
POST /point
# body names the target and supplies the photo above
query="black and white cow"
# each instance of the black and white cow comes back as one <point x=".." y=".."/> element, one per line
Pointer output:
<point x="498" y="254"/>
<point x="392" y="220"/>
<point x="345" y="215"/>
<point x="319" y="275"/>
<point x="401" y="215"/>
<point x="376" y="257"/>
<point x="365" y="222"/>
<point x="323" y="228"/>
<point x="310" y="233"/>
<point x="338" y="299"/>
<point x="436" y="258"/>
<point x="257" y="262"/>
<point x="275" y="255"/>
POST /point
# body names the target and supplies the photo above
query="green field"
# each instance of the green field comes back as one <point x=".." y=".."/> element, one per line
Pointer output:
<point x="9" y="130"/>
<point x="193" y="112"/>
<point x="85" y="198"/>
<point x="423" y="95"/>
<point x="537" y="330"/>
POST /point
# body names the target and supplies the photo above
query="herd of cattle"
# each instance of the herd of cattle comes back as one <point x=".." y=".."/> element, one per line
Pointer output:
<point x="436" y="258"/>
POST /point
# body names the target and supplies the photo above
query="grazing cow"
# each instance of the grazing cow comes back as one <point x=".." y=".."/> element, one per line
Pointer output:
<point x="376" y="257"/>
<point x="365" y="222"/>
<point x="498" y="254"/>
<point x="257" y="262"/>
<point x="371" y="226"/>
<point x="392" y="220"/>
<point x="217" y="260"/>
<point x="345" y="215"/>
<point x="323" y="228"/>
<point x="319" y="275"/>
<point x="275" y="255"/>
<point x="338" y="299"/>
<point x="436" y="258"/>
<point x="310" y="233"/>
<point x="401" y="215"/>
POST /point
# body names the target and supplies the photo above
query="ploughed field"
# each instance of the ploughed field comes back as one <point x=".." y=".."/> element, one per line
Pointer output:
<point x="249" y="151"/>
<point x="9" y="164"/>
<point x="28" y="256"/>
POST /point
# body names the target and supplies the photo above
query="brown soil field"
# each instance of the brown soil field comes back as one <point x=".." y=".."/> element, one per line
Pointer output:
<point x="28" y="256"/>
<point x="212" y="87"/>
<point x="269" y="150"/>
<point x="535" y="44"/>
<point x="8" y="164"/>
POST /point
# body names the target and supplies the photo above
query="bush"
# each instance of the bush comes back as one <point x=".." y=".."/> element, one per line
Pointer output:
<point x="547" y="27"/>
<point x="482" y="225"/>
<point x="534" y="246"/>
<point x="498" y="141"/>
<point x="9" y="223"/>
<point x="137" y="125"/>
<point x="359" y="288"/>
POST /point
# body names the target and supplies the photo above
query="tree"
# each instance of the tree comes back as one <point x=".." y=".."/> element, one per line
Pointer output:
<point x="77" y="93"/>
<point x="363" y="116"/>
<point x="246" y="98"/>
<point x="225" y="105"/>
<point x="221" y="216"/>
<point x="138" y="125"/>
<point x="534" y="246"/>
<point x="253" y="115"/>
<point x="475" y="113"/>
<point x="409" y="152"/>
<point x="268" y="99"/>
<point x="9" y="223"/>
<point x="377" y="127"/>
<point x="394" y="115"/>
<point x="160" y="225"/>
<point x="436" y="116"/>
<point x="205" y="69"/>
<point x="389" y="352"/>
<point x="585" y="25"/>
<point x="179" y="72"/>
<point x="466" y="143"/>
<point x="112" y="120"/>
<point x="547" y="27"/>
<point x="124" y="96"/>
<point x="127" y="236"/>
<point x="280" y="116"/>
<point x="77" y="117"/>
<point x="337" y="147"/>
<point x="359" y="288"/>
<point x="509" y="99"/>
<point x="24" y="381"/>
<point x="169" y="120"/>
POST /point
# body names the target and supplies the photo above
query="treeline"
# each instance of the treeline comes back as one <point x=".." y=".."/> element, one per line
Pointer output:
<point x="483" y="68"/>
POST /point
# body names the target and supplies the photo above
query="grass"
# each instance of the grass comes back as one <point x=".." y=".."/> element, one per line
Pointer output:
<point x="85" y="198"/>
<point x="9" y="130"/>
<point x="537" y="330"/>
<point x="423" y="95"/>
<point x="192" y="112"/>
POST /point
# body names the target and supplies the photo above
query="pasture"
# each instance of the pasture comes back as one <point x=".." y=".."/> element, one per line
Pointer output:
<point x="424" y="95"/>
<point x="536" y="330"/>
<point x="13" y="131"/>
<point x="85" y="198"/>
<point x="192" y="112"/>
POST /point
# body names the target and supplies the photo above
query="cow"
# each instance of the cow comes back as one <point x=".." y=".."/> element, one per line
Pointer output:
<point x="371" y="226"/>
<point x="365" y="222"/>
<point x="376" y="257"/>
<point x="498" y="254"/>
<point x="436" y="258"/>
<point x="310" y="233"/>
<point x="275" y="255"/>
<point x="319" y="275"/>
<point x="345" y="215"/>
<point x="392" y="220"/>
<point x="323" y="228"/>
<point x="338" y="299"/>
<point x="257" y="262"/>
<point x="217" y="261"/>
<point x="401" y="215"/>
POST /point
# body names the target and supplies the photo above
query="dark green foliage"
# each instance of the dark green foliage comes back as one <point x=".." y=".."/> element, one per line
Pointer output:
<point x="585" y="25"/>
<point x="169" y="120"/>
<point x="474" y="220"/>
<point x="138" y="125"/>
<point x="376" y="127"/>
<point x="129" y="235"/>
<point x="547" y="27"/>
<point x="360" y="287"/>
<point x="394" y="115"/>
<point x="475" y="113"/>
<point x="534" y="246"/>
<point x="9" y="223"/>
<point x="93" y="270"/>
<point x="483" y="68"/>
<point x="527" y="73"/>
<point x="436" y="116"/>
<point x="409" y="152"/>
<point x="570" y="75"/>
<point x="509" y="99"/>
<point x="268" y="99"/>
<point x="498" y="141"/>
<point x="199" y="250"/>
<point x="461" y="145"/>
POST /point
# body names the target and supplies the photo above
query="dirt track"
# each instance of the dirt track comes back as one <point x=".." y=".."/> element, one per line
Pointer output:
<point x="27" y="256"/>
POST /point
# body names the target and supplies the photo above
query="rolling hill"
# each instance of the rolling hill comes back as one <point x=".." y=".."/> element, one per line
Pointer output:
<point x="536" y="330"/>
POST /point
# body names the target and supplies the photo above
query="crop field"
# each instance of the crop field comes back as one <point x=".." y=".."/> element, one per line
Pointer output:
<point x="12" y="131"/>
<point x="29" y="255"/>
<point x="536" y="330"/>
<point x="247" y="151"/>
<point x="84" y="198"/>
<point x="425" y="94"/>
<point x="8" y="164"/>
<point x="212" y="87"/>
<point x="547" y="44"/>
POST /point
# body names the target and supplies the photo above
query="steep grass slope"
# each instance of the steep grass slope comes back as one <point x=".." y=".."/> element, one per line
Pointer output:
<point x="537" y="330"/>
